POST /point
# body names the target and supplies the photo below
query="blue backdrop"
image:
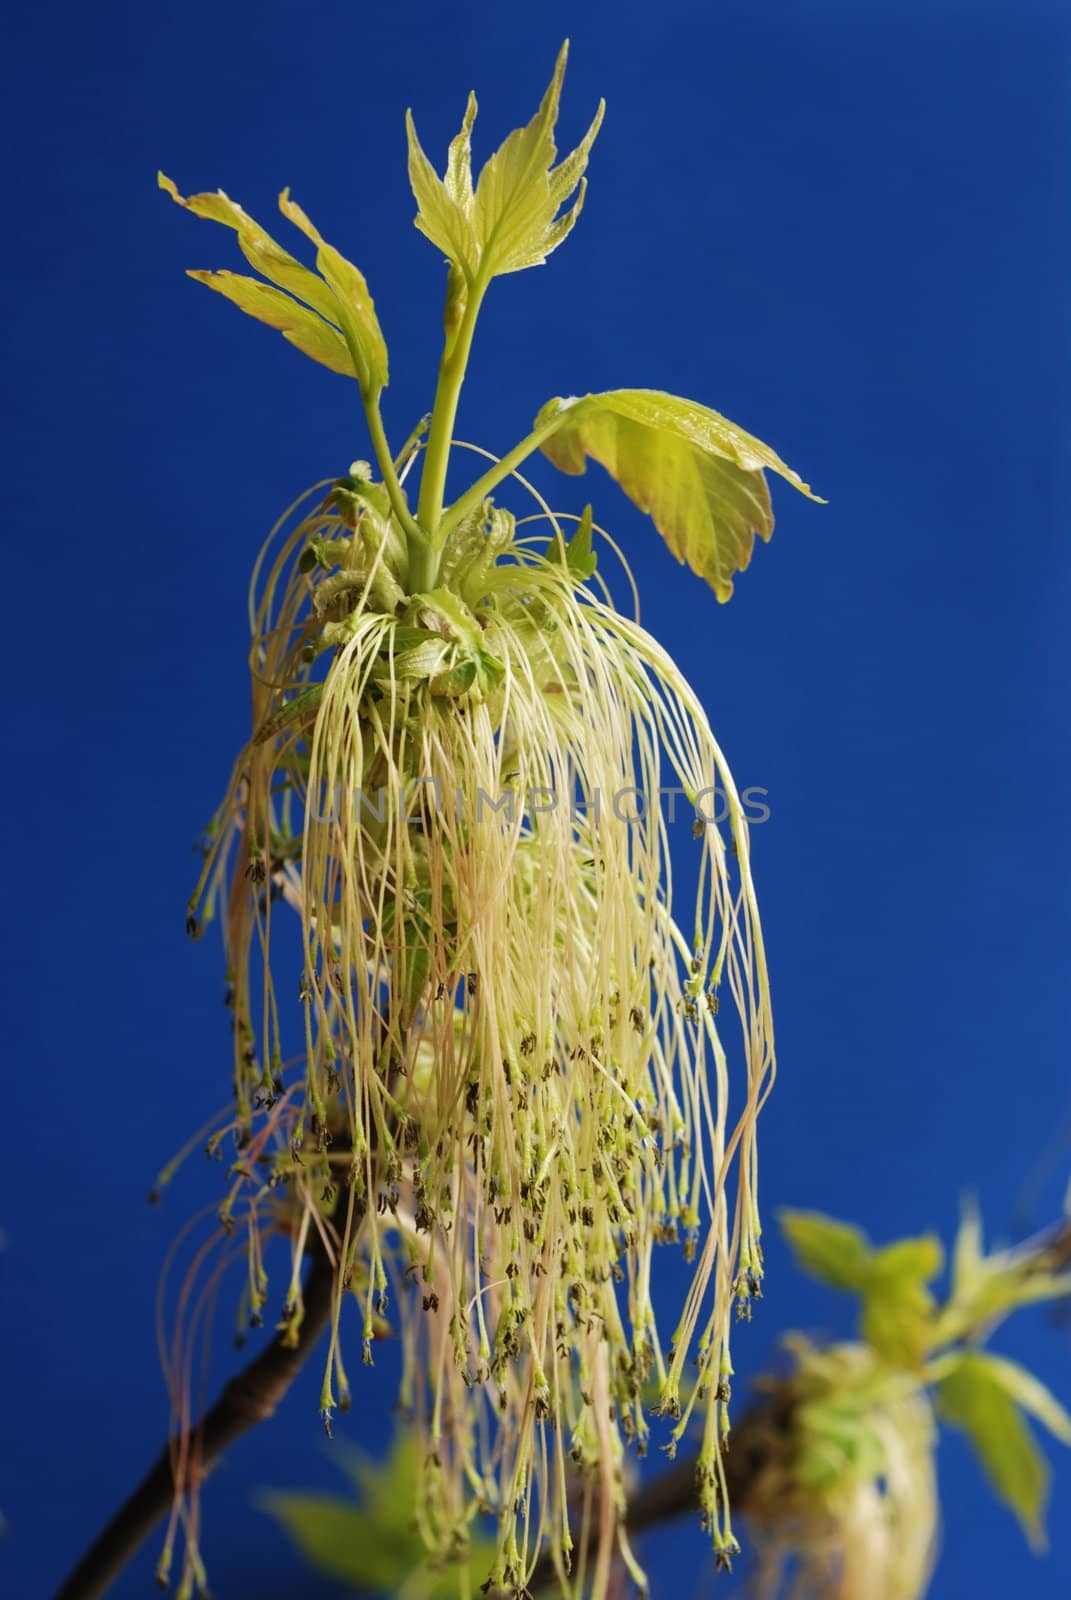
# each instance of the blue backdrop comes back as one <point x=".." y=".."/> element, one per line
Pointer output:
<point x="845" y="226"/>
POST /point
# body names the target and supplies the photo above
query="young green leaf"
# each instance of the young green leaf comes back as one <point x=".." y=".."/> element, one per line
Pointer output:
<point x="258" y="247"/>
<point x="898" y="1310"/>
<point x="576" y="552"/>
<point x="444" y="205"/>
<point x="975" y="1398"/>
<point x="337" y="323"/>
<point x="968" y="1253"/>
<point x="1030" y="1394"/>
<point x="699" y="476"/>
<point x="346" y="1542"/>
<point x="511" y="219"/>
<point x="302" y="328"/>
<point x="355" y="307"/>
<point x="833" y="1252"/>
<point x="375" y="1546"/>
<point x="910" y="1260"/>
<point x="987" y="1287"/>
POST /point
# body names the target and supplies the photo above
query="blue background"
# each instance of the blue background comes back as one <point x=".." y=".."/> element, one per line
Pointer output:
<point x="847" y="228"/>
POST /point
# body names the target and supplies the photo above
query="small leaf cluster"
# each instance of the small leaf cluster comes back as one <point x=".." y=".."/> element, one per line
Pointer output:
<point x="699" y="476"/>
<point x="937" y="1344"/>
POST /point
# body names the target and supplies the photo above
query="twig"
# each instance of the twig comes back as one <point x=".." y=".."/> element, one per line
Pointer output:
<point x="249" y="1398"/>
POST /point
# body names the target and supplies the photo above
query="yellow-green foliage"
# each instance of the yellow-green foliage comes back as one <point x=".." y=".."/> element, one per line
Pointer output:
<point x="850" y="1508"/>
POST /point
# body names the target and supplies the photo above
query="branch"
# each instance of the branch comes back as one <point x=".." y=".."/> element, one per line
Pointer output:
<point x="249" y="1398"/>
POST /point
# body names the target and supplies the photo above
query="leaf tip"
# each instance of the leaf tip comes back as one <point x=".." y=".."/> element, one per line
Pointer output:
<point x="552" y="98"/>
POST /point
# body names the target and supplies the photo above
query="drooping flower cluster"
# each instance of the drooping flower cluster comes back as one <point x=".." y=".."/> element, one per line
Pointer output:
<point x="513" y="1084"/>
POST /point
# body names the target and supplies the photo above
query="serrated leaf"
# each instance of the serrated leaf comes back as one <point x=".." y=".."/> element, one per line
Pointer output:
<point x="302" y="328"/>
<point x="511" y="219"/>
<point x="699" y="476"/>
<point x="444" y="206"/>
<point x="973" y="1397"/>
<point x="833" y="1252"/>
<point x="337" y="309"/>
<point x="357" y="310"/>
<point x="259" y="248"/>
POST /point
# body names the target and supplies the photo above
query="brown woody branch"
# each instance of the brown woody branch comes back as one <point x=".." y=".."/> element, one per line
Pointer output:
<point x="249" y="1398"/>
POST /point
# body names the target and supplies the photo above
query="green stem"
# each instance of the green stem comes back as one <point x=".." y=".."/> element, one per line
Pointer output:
<point x="494" y="475"/>
<point x="385" y="462"/>
<point x="452" y="367"/>
<point x="416" y="539"/>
